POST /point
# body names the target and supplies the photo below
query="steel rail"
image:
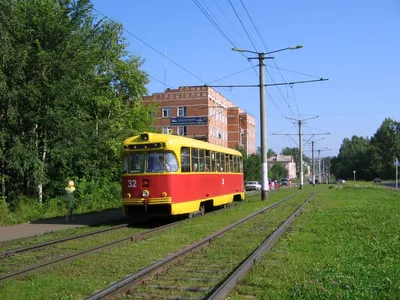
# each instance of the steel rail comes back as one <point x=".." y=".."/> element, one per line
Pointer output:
<point x="136" y="277"/>
<point x="59" y="260"/>
<point x="226" y="287"/>
<point x="13" y="252"/>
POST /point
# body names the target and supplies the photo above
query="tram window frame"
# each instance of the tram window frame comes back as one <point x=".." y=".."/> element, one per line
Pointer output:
<point x="201" y="160"/>
<point x="231" y="164"/>
<point x="241" y="164"/>
<point x="194" y="154"/>
<point x="185" y="159"/>
<point x="222" y="163"/>
<point x="213" y="161"/>
<point x="227" y="168"/>
<point x="218" y="161"/>
<point x="207" y="161"/>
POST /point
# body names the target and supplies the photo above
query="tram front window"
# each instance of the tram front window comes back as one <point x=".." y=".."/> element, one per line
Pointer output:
<point x="152" y="162"/>
<point x="134" y="163"/>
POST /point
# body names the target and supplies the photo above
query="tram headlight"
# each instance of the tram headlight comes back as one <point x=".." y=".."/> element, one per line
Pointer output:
<point x="145" y="193"/>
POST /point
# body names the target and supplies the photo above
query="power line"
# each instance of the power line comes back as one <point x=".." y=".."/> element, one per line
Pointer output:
<point x="244" y="28"/>
<point x="154" y="49"/>
<point x="265" y="45"/>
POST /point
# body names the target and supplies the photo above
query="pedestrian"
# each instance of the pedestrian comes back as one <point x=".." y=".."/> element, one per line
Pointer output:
<point x="70" y="197"/>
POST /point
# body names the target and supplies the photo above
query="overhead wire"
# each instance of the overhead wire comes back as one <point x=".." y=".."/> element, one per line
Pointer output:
<point x="154" y="49"/>
<point x="265" y="45"/>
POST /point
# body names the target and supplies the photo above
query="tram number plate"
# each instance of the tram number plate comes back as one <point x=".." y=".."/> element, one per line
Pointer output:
<point x="131" y="183"/>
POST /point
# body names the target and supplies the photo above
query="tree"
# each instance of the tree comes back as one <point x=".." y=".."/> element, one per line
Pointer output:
<point x="69" y="95"/>
<point x="271" y="153"/>
<point x="385" y="148"/>
<point x="277" y="171"/>
<point x="295" y="152"/>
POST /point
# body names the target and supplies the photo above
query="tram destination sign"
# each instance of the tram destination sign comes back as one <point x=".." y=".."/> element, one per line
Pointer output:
<point x="185" y="121"/>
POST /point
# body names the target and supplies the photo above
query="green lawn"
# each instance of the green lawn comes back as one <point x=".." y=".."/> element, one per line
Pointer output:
<point x="345" y="245"/>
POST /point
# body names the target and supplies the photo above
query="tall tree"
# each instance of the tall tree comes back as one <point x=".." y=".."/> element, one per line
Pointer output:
<point x="385" y="148"/>
<point x="70" y="94"/>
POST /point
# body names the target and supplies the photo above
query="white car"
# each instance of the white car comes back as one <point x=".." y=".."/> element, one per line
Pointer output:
<point x="253" y="186"/>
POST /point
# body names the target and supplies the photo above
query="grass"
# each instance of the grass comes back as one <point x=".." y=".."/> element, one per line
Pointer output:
<point x="222" y="255"/>
<point x="86" y="275"/>
<point x="48" y="236"/>
<point x="344" y="246"/>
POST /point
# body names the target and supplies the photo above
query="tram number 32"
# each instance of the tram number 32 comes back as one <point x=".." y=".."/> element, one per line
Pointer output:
<point x="131" y="183"/>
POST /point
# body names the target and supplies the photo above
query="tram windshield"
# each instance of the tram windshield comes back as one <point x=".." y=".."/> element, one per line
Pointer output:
<point x="149" y="162"/>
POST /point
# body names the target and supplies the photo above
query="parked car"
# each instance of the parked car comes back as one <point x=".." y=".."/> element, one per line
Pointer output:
<point x="376" y="180"/>
<point x="339" y="181"/>
<point x="253" y="186"/>
<point x="284" y="181"/>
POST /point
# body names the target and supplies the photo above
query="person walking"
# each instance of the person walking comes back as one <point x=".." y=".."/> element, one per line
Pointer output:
<point x="70" y="197"/>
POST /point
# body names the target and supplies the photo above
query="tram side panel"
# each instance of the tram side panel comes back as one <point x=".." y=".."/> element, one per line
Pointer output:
<point x="182" y="192"/>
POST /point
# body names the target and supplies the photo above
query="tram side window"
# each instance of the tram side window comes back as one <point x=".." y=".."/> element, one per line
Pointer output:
<point x="208" y="161"/>
<point x="195" y="160"/>
<point x="134" y="163"/>
<point x="222" y="163"/>
<point x="241" y="164"/>
<point x="201" y="160"/>
<point x="213" y="161"/>
<point x="218" y="161"/>
<point x="231" y="163"/>
<point x="227" y="163"/>
<point x="185" y="159"/>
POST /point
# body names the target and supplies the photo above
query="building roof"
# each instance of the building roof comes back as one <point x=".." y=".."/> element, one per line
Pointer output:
<point x="280" y="158"/>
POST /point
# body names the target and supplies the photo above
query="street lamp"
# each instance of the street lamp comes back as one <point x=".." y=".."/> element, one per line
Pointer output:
<point x="264" y="170"/>
<point x="354" y="172"/>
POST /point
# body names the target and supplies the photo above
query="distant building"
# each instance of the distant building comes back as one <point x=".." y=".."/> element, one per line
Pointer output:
<point x="287" y="161"/>
<point x="203" y="113"/>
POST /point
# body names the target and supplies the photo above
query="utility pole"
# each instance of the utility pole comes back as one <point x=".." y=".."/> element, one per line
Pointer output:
<point x="313" y="163"/>
<point x="261" y="56"/>
<point x="319" y="166"/>
<point x="300" y="122"/>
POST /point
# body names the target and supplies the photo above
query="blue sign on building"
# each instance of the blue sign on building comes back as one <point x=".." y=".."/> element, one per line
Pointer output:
<point x="185" y="121"/>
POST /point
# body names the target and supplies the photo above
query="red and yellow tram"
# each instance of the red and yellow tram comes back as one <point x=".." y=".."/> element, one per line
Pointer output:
<point x="166" y="175"/>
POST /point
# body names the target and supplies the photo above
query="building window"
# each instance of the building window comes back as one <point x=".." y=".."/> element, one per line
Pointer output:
<point x="181" y="111"/>
<point x="167" y="130"/>
<point x="182" y="130"/>
<point x="167" y="112"/>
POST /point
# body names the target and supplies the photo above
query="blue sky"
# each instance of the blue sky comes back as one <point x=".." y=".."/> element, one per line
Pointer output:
<point x="355" y="44"/>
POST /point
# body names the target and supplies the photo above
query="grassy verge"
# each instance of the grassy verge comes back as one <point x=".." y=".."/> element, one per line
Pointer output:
<point x="83" y="276"/>
<point x="344" y="246"/>
<point x="222" y="255"/>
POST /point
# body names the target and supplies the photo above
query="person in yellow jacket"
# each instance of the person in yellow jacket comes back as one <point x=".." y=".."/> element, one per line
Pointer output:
<point x="70" y="197"/>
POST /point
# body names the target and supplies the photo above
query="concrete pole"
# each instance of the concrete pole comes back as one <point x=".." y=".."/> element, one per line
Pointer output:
<point x="323" y="171"/>
<point x="263" y="121"/>
<point x="301" y="157"/>
<point x="319" y="166"/>
<point x="397" y="174"/>
<point x="313" y="163"/>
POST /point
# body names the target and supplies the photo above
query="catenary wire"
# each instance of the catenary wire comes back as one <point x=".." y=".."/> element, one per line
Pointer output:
<point x="154" y="49"/>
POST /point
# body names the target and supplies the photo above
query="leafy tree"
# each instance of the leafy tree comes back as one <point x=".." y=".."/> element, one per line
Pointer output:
<point x="385" y="148"/>
<point x="252" y="168"/>
<point x="69" y="94"/>
<point x="277" y="171"/>
<point x="354" y="154"/>
<point x="295" y="152"/>
<point x="271" y="153"/>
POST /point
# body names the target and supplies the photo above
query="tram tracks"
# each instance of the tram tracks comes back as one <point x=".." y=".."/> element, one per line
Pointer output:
<point x="51" y="262"/>
<point x="192" y="273"/>
<point x="56" y="257"/>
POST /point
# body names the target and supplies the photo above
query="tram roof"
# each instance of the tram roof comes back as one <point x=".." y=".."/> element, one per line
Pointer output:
<point x="172" y="141"/>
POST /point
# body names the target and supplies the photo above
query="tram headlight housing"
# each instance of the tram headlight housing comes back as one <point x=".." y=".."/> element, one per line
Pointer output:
<point x="145" y="193"/>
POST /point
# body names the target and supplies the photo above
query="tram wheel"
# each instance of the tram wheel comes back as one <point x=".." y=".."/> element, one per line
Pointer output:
<point x="202" y="209"/>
